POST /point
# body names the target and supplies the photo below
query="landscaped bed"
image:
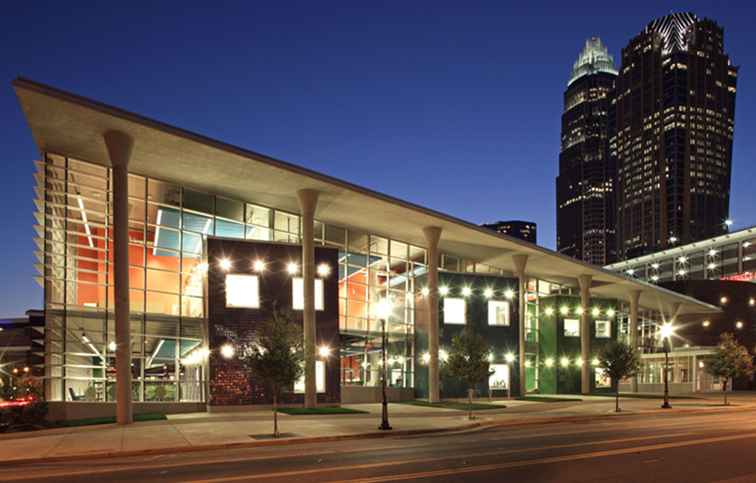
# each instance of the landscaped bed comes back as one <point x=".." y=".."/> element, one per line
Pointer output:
<point x="319" y="411"/>
<point x="549" y="399"/>
<point x="459" y="406"/>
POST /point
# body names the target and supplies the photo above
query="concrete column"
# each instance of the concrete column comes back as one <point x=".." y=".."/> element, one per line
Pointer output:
<point x="634" y="298"/>
<point x="308" y="202"/>
<point x="520" y="261"/>
<point x="119" y="146"/>
<point x="432" y="236"/>
<point x="585" y="333"/>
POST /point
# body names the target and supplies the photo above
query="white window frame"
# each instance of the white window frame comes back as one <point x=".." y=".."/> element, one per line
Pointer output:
<point x="493" y="310"/>
<point x="297" y="294"/>
<point x="608" y="334"/>
<point x="452" y="307"/>
<point x="571" y="321"/>
<point x="242" y="291"/>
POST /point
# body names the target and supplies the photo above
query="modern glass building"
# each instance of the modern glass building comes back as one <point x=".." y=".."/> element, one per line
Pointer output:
<point x="148" y="237"/>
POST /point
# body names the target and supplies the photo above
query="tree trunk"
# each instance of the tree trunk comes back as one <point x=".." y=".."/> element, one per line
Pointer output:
<point x="616" y="401"/>
<point x="469" y="403"/>
<point x="275" y="415"/>
<point x="724" y="390"/>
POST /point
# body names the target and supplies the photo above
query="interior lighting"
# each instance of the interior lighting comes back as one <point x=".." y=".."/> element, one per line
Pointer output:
<point x="549" y="311"/>
<point x="723" y="300"/>
<point x="425" y="291"/>
<point x="443" y="355"/>
<point x="739" y="325"/>
<point x="610" y="313"/>
<point x="595" y="362"/>
<point x="564" y="310"/>
<point x="596" y="312"/>
<point x="426" y="357"/>
<point x="579" y="310"/>
<point x="706" y="323"/>
<point x="666" y="330"/>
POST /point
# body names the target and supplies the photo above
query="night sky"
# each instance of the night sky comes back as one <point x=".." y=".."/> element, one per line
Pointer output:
<point x="452" y="105"/>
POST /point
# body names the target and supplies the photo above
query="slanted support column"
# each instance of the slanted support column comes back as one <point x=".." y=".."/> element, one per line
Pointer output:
<point x="634" y="299"/>
<point x="520" y="261"/>
<point x="119" y="146"/>
<point x="432" y="236"/>
<point x="585" y="333"/>
<point x="308" y="202"/>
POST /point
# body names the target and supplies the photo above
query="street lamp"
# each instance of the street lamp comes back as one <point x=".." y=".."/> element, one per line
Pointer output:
<point x="666" y="332"/>
<point x="383" y="311"/>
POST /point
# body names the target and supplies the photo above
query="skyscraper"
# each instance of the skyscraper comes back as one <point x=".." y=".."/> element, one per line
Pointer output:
<point x="585" y="185"/>
<point x="524" y="230"/>
<point x="675" y="110"/>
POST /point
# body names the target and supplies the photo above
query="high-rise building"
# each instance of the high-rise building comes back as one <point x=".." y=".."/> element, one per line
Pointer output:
<point x="585" y="185"/>
<point x="675" y="110"/>
<point x="524" y="230"/>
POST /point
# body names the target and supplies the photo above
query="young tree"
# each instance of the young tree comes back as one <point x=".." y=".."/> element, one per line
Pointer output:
<point x="619" y="360"/>
<point x="730" y="361"/>
<point x="275" y="359"/>
<point x="468" y="361"/>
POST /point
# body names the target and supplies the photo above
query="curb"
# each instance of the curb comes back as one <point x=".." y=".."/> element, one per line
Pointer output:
<point x="358" y="436"/>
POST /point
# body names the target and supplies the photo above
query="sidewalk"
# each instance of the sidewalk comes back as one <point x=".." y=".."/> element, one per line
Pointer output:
<point x="196" y="431"/>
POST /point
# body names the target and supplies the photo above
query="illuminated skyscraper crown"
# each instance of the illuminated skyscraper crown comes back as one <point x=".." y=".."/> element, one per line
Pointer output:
<point x="593" y="58"/>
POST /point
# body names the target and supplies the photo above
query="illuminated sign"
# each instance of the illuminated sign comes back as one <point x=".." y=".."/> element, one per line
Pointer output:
<point x="740" y="277"/>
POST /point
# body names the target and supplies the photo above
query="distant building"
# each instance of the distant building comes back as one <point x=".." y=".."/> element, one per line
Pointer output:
<point x="585" y="185"/>
<point x="674" y="109"/>
<point x="524" y="230"/>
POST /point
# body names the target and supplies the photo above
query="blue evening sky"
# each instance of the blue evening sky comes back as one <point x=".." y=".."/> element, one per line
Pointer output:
<point x="453" y="105"/>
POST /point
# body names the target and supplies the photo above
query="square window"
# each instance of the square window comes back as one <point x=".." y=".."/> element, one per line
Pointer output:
<point x="499" y="378"/>
<point x="603" y="329"/>
<point x="498" y="313"/>
<point x="455" y="311"/>
<point x="571" y="327"/>
<point x="242" y="291"/>
<point x="601" y="378"/>
<point x="297" y="296"/>
<point x="299" y="386"/>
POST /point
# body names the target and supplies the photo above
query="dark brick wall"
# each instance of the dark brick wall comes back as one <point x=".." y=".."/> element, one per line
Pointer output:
<point x="229" y="383"/>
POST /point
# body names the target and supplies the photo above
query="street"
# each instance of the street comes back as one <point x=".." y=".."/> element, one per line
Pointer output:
<point x="700" y="447"/>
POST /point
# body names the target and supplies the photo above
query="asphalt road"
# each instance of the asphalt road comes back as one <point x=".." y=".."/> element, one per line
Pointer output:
<point x="665" y="448"/>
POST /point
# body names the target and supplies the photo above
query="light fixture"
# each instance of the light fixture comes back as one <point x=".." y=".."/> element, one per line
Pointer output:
<point x="443" y="290"/>
<point x="655" y="278"/>
<point x="488" y="293"/>
<point x="509" y="293"/>
<point x="610" y="313"/>
<point x="292" y="268"/>
<point x="747" y="244"/>
<point x="673" y="239"/>
<point x="384" y="308"/>
<point x="579" y="310"/>
<point x="564" y="362"/>
<point x="706" y="323"/>
<point x="258" y="266"/>
<point x="683" y="259"/>
<point x="227" y="351"/>
<point x="579" y="362"/>
<point x="630" y="271"/>
<point x="426" y="357"/>
<point x="443" y="355"/>
<point x="425" y="291"/>
<point x="711" y="266"/>
<point x="509" y="357"/>
<point x="681" y="272"/>
<point x="723" y="300"/>
<point x="225" y="264"/>
<point x="324" y="351"/>
<point x="490" y="357"/>
<point x="564" y="310"/>
<point x="666" y="330"/>
<point x="739" y="325"/>
<point x="549" y="362"/>
<point x="112" y="346"/>
<point x="655" y="266"/>
<point x="324" y="270"/>
<point x="595" y="362"/>
<point x="752" y="302"/>
<point x="549" y="311"/>
<point x="466" y="291"/>
<point x="701" y="364"/>
<point x="712" y="252"/>
<point x="728" y="222"/>
<point x="595" y="312"/>
<point x="528" y="363"/>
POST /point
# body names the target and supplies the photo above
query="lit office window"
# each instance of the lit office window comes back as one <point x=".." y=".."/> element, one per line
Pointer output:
<point x="297" y="296"/>
<point x="454" y="310"/>
<point x="499" y="378"/>
<point x="571" y="328"/>
<point x="603" y="329"/>
<point x="299" y="386"/>
<point x="242" y="291"/>
<point x="498" y="313"/>
<point x="602" y="378"/>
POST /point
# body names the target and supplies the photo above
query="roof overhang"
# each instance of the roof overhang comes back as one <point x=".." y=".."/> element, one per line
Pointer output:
<point x="72" y="125"/>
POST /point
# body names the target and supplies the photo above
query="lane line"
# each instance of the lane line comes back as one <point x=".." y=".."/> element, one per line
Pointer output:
<point x="551" y="460"/>
<point x="446" y="458"/>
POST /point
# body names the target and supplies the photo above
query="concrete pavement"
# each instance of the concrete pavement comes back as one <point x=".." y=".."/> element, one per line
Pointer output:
<point x="205" y="431"/>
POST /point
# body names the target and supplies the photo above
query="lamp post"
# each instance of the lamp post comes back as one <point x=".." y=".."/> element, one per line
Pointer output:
<point x="383" y="310"/>
<point x="666" y="333"/>
<point x="509" y="358"/>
